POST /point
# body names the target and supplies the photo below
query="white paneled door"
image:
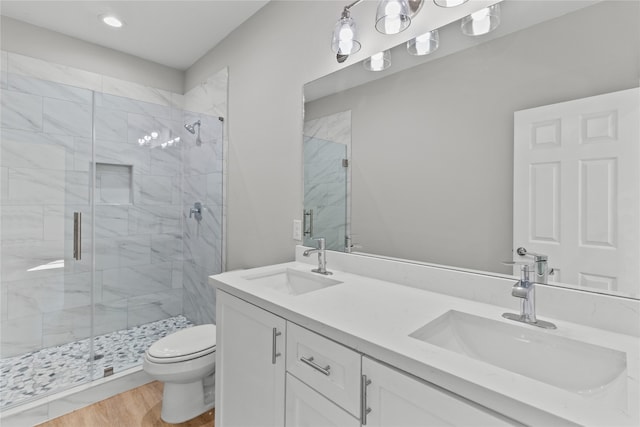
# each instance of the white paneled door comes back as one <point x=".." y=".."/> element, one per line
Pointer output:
<point x="577" y="189"/>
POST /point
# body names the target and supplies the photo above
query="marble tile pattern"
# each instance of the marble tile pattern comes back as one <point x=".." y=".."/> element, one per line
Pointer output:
<point x="204" y="181"/>
<point x="34" y="374"/>
<point x="202" y="240"/>
<point x="327" y="141"/>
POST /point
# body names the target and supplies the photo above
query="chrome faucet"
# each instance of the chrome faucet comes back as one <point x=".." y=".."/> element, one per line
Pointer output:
<point x="526" y="290"/>
<point x="322" y="256"/>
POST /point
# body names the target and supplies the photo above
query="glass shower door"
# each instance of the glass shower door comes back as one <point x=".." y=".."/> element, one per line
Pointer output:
<point x="46" y="256"/>
<point x="138" y="228"/>
<point x="325" y="192"/>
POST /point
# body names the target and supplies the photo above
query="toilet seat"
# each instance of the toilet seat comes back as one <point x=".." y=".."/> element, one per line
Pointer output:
<point x="187" y="344"/>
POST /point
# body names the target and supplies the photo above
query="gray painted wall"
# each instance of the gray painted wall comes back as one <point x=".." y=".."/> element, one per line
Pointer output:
<point x="270" y="57"/>
<point x="432" y="177"/>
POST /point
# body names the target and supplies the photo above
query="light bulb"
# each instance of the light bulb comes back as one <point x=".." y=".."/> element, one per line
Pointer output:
<point x="345" y="45"/>
<point x="393" y="8"/>
<point x="346" y="33"/>
<point x="377" y="61"/>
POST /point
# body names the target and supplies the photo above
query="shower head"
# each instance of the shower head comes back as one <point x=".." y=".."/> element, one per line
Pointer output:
<point x="192" y="127"/>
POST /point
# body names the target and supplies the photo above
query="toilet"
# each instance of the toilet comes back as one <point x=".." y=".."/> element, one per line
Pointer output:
<point x="185" y="362"/>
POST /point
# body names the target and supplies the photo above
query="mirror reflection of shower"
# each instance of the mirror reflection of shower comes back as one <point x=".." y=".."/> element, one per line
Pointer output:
<point x="194" y="129"/>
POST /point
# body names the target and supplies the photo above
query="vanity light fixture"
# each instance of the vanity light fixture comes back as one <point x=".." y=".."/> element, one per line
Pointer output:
<point x="344" y="41"/>
<point x="393" y="16"/>
<point x="449" y="3"/>
<point x="425" y="44"/>
<point x="111" y="20"/>
<point x="378" y="62"/>
<point x="481" y="22"/>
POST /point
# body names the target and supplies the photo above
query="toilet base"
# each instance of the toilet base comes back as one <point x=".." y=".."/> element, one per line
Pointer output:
<point x="182" y="402"/>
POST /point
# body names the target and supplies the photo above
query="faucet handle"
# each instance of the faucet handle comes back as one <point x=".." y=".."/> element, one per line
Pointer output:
<point x="525" y="271"/>
<point x="537" y="257"/>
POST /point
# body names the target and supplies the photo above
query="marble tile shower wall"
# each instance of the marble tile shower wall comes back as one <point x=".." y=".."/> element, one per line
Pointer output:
<point x="45" y="162"/>
<point x="138" y="256"/>
<point x="203" y="179"/>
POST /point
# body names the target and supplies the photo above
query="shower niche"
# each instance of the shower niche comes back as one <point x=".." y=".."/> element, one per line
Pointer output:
<point x="114" y="184"/>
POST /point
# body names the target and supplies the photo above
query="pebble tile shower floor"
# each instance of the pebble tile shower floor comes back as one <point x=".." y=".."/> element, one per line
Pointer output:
<point x="53" y="369"/>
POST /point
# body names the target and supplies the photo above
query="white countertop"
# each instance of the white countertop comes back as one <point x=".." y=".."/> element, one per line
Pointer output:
<point x="375" y="317"/>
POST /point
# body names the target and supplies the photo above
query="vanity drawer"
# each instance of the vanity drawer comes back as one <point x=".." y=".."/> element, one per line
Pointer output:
<point x="329" y="368"/>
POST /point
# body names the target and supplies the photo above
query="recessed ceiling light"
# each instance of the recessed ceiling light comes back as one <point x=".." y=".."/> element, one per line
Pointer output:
<point x="111" y="21"/>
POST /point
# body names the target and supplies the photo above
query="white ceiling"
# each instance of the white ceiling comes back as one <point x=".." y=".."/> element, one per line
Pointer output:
<point x="173" y="33"/>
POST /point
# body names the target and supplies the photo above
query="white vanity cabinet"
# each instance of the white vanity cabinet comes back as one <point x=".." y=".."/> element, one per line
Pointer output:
<point x="250" y="365"/>
<point x="393" y="398"/>
<point x="327" y="383"/>
<point x="306" y="407"/>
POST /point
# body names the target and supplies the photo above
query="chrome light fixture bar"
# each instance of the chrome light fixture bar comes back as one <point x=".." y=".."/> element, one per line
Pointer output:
<point x="393" y="16"/>
<point x="481" y="22"/>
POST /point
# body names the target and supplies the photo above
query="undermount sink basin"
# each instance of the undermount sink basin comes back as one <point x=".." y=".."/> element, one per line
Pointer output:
<point x="569" y="364"/>
<point x="293" y="282"/>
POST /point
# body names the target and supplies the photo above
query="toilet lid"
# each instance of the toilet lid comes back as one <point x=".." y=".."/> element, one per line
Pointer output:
<point x="190" y="341"/>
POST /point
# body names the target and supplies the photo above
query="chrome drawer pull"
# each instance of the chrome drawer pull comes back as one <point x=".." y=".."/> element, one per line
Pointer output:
<point x="274" y="345"/>
<point x="315" y="366"/>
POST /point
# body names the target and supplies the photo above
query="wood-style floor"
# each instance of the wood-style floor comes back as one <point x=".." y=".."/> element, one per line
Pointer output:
<point x="139" y="407"/>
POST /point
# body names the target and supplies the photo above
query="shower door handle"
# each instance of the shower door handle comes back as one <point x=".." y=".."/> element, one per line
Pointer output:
<point x="307" y="214"/>
<point x="77" y="236"/>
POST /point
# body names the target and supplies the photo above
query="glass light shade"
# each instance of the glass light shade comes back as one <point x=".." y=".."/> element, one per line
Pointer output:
<point x="393" y="16"/>
<point x="424" y="44"/>
<point x="481" y="22"/>
<point x="378" y="62"/>
<point x="344" y="40"/>
<point x="449" y="3"/>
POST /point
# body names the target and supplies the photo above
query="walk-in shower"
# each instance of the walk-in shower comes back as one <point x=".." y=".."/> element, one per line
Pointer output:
<point x="132" y="171"/>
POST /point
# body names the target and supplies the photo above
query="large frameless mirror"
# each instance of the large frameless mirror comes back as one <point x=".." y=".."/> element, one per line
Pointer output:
<point x="526" y="136"/>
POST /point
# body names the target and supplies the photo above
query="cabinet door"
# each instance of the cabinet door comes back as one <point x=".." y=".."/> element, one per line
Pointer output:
<point x="308" y="408"/>
<point x="250" y="365"/>
<point x="396" y="399"/>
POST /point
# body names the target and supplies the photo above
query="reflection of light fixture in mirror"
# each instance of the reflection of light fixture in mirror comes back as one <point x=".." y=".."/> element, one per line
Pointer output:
<point x="378" y="62"/>
<point x="344" y="40"/>
<point x="449" y="3"/>
<point x="393" y="16"/>
<point x="424" y="44"/>
<point x="481" y="22"/>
